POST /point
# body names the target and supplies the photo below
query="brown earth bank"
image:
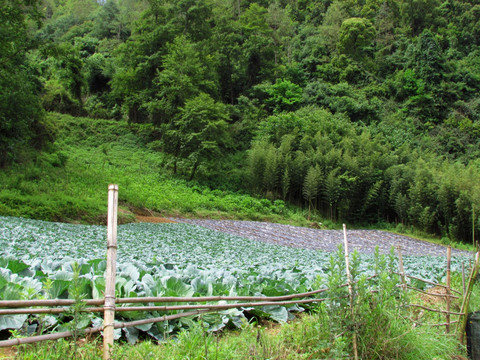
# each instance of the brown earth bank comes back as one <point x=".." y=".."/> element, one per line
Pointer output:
<point x="153" y="219"/>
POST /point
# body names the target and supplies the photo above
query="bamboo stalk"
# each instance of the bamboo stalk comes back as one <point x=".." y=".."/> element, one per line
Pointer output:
<point x="466" y="299"/>
<point x="136" y="300"/>
<point x="350" y="291"/>
<point x="402" y="270"/>
<point x="430" y="282"/>
<point x="217" y="306"/>
<point x="435" y="310"/>
<point x="432" y="294"/>
<point x="218" y="298"/>
<point x="49" y="302"/>
<point x="56" y="336"/>
<point x="68" y="302"/>
<point x="444" y="324"/>
<point x="274" y="299"/>
<point x="158" y="319"/>
<point x="158" y="308"/>
<point x="417" y="323"/>
<point x="448" y="299"/>
<point x="109" y="313"/>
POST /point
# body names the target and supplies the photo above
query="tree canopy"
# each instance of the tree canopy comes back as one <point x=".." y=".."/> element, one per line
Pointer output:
<point x="359" y="110"/>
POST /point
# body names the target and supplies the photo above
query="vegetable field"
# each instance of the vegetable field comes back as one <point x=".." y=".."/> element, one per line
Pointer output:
<point x="38" y="259"/>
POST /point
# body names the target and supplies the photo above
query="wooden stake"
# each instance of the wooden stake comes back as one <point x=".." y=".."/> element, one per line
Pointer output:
<point x="473" y="225"/>
<point x="350" y="291"/>
<point x="401" y="269"/>
<point x="109" y="313"/>
<point x="447" y="298"/>
<point x="466" y="299"/>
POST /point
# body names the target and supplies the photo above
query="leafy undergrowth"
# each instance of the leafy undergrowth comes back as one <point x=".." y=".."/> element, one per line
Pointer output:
<point x="69" y="182"/>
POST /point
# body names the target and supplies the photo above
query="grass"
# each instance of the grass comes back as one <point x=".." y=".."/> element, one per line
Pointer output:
<point x="309" y="337"/>
<point x="69" y="181"/>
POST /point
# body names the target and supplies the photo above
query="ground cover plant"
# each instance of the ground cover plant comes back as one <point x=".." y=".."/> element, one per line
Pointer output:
<point x="43" y="259"/>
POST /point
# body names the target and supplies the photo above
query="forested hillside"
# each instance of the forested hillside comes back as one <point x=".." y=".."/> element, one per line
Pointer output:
<point x="359" y="111"/>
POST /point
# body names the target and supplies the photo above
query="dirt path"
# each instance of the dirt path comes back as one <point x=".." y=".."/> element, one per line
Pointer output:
<point x="364" y="241"/>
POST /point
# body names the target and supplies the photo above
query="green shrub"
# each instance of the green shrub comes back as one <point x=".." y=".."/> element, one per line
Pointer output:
<point x="378" y="317"/>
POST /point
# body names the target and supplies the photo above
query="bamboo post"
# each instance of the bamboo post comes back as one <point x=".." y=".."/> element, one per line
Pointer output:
<point x="466" y="299"/>
<point x="401" y="269"/>
<point x="463" y="277"/>
<point x="473" y="225"/>
<point x="350" y="291"/>
<point x="447" y="298"/>
<point x="109" y="313"/>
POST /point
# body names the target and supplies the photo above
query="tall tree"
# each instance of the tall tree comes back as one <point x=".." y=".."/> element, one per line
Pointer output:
<point x="186" y="73"/>
<point x="356" y="36"/>
<point x="20" y="110"/>
<point x="200" y="131"/>
<point x="311" y="186"/>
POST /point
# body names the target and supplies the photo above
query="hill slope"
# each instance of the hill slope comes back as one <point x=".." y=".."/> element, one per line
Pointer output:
<point x="68" y="182"/>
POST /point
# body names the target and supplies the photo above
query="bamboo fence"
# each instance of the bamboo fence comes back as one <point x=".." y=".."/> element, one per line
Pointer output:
<point x="109" y="305"/>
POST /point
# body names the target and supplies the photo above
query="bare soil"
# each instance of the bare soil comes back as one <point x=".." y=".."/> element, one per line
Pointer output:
<point x="364" y="241"/>
<point x="153" y="219"/>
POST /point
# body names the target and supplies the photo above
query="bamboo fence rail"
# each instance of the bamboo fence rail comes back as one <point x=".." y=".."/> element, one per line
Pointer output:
<point x="89" y="331"/>
<point x="435" y="310"/>
<point x="432" y="294"/>
<point x="159" y="308"/>
<point x="133" y="300"/>
<point x="137" y="300"/>
<point x="429" y="282"/>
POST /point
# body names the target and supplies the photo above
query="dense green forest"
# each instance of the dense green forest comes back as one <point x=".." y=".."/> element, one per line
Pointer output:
<point x="359" y="111"/>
